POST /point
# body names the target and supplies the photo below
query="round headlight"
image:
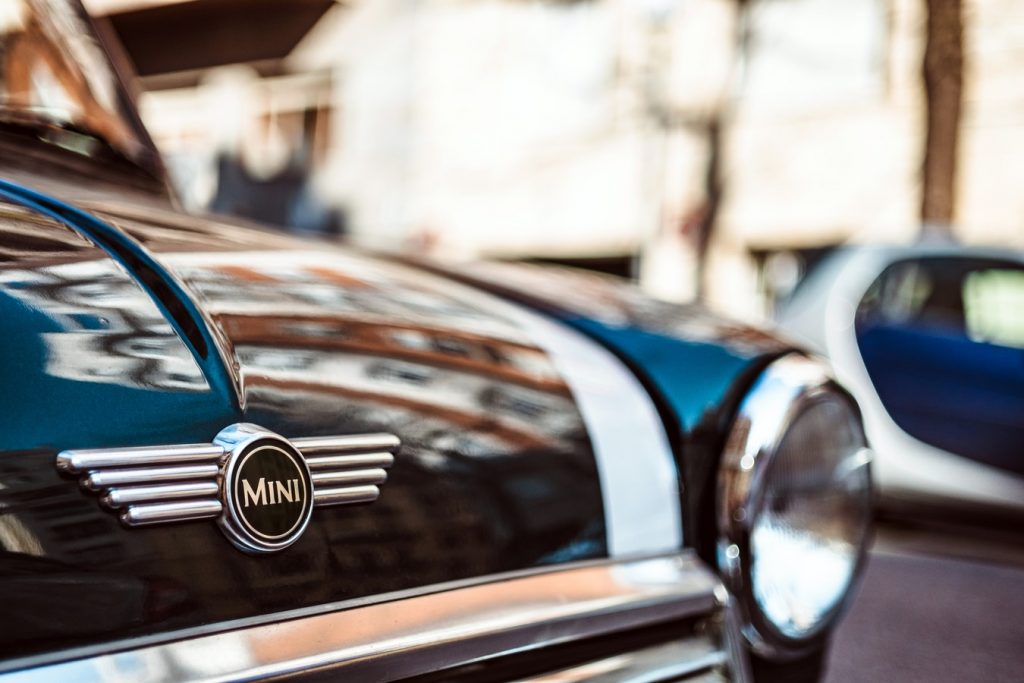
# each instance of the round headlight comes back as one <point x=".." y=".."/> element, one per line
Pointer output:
<point x="795" y="495"/>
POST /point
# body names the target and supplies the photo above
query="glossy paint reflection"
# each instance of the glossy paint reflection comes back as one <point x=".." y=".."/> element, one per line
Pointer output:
<point x="695" y="364"/>
<point x="496" y="472"/>
<point x="515" y="615"/>
<point x="351" y="328"/>
<point x="649" y="334"/>
<point x="93" y="355"/>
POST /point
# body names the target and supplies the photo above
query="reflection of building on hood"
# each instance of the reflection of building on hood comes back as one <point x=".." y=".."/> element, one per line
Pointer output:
<point x="158" y="361"/>
<point x="353" y="362"/>
<point x="110" y="330"/>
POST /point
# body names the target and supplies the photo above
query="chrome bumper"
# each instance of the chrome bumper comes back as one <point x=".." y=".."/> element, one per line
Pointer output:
<point x="478" y="623"/>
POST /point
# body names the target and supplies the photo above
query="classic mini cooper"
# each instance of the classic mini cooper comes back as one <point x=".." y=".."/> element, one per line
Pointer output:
<point x="229" y="454"/>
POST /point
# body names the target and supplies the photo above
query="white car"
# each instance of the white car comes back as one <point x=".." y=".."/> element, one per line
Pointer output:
<point x="930" y="341"/>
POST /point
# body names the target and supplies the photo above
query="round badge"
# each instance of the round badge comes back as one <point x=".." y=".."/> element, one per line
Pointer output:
<point x="268" y="494"/>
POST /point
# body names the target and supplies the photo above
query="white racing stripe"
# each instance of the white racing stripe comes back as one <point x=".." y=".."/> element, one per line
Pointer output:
<point x="639" y="480"/>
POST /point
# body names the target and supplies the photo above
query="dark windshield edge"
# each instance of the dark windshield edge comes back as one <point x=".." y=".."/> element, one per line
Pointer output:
<point x="128" y="95"/>
<point x="105" y="163"/>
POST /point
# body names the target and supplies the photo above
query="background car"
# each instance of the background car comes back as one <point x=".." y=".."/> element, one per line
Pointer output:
<point x="930" y="341"/>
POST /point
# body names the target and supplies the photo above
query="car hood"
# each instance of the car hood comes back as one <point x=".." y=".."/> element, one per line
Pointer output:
<point x="696" y="365"/>
<point x="163" y="329"/>
<point x="688" y="356"/>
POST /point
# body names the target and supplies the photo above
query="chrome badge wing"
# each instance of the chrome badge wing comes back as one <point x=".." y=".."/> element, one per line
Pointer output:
<point x="261" y="487"/>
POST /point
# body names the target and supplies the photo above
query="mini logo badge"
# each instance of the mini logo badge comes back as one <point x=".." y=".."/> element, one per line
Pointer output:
<point x="268" y="490"/>
<point x="260" y="487"/>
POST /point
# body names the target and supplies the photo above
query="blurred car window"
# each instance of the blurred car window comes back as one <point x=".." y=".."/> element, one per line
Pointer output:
<point x="57" y="82"/>
<point x="993" y="301"/>
<point x="943" y="343"/>
<point x="978" y="297"/>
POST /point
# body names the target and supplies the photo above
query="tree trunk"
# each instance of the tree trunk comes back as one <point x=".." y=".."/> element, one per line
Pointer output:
<point x="713" y="189"/>
<point x="943" y="85"/>
<point x="714" y="178"/>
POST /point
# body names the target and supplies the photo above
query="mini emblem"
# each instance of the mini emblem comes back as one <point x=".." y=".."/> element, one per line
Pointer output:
<point x="268" y="490"/>
<point x="260" y="487"/>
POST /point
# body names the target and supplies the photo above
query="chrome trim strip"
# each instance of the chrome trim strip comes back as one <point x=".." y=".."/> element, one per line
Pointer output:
<point x="328" y="462"/>
<point x="159" y="513"/>
<point x="108" y="478"/>
<point x="375" y="475"/>
<point x="181" y="490"/>
<point x="345" y="496"/>
<point x="119" y="497"/>
<point x="424" y="633"/>
<point x="665" y="662"/>
<point x="348" y="469"/>
<point x="352" y="444"/>
<point x="77" y="461"/>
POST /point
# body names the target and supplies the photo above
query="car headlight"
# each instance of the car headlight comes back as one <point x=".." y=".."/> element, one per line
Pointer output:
<point x="794" y="505"/>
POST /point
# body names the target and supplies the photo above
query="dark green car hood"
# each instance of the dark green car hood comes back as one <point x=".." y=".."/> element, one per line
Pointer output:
<point x="128" y="325"/>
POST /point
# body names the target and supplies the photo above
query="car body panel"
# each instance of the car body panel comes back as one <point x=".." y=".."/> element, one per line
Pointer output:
<point x="695" y="364"/>
<point x="497" y="471"/>
<point x="650" y="335"/>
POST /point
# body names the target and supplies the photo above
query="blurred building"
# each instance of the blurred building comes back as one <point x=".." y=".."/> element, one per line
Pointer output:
<point x="642" y="137"/>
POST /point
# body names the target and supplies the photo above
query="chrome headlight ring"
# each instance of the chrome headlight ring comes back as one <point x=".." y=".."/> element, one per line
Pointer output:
<point x="794" y="506"/>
